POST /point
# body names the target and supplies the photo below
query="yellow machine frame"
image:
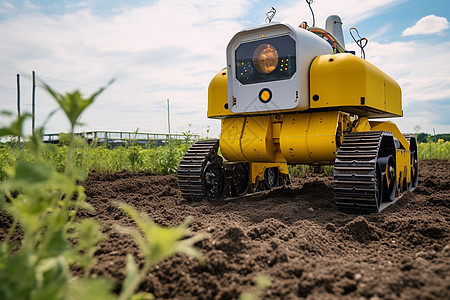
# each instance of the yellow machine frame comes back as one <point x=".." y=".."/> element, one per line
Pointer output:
<point x="345" y="91"/>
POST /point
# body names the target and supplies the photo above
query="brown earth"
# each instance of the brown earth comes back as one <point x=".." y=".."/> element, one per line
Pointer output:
<point x="295" y="235"/>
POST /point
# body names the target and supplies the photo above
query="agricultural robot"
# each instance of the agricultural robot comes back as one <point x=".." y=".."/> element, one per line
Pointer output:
<point x="291" y="95"/>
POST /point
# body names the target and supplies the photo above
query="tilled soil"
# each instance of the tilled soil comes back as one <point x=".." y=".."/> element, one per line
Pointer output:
<point x="295" y="235"/>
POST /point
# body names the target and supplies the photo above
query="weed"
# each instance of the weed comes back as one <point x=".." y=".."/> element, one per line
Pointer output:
<point x="40" y="193"/>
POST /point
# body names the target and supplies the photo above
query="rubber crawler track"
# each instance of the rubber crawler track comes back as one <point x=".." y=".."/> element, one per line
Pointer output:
<point x="189" y="173"/>
<point x="355" y="182"/>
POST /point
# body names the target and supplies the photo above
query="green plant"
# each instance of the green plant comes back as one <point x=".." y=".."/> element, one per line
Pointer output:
<point x="262" y="284"/>
<point x="156" y="243"/>
<point x="328" y="170"/>
<point x="135" y="157"/>
<point x="40" y="194"/>
<point x="43" y="204"/>
<point x="431" y="150"/>
<point x="188" y="134"/>
<point x="165" y="159"/>
<point x="298" y="170"/>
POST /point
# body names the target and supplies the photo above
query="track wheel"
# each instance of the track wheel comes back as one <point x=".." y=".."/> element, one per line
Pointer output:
<point x="214" y="179"/>
<point x="388" y="172"/>
<point x="414" y="163"/>
<point x="240" y="180"/>
<point x="378" y="185"/>
<point x="271" y="177"/>
<point x="414" y="170"/>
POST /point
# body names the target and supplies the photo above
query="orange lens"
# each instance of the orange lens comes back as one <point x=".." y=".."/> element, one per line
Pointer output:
<point x="265" y="58"/>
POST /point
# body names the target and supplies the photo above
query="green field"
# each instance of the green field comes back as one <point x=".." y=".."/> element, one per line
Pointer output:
<point x="161" y="160"/>
<point x="430" y="150"/>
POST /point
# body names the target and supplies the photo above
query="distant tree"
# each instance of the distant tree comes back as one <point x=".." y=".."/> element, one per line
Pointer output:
<point x="422" y="137"/>
<point x="444" y="136"/>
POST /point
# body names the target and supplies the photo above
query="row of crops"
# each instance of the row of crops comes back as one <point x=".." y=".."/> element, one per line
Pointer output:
<point x="430" y="150"/>
<point x="87" y="158"/>
<point x="40" y="236"/>
<point x="162" y="160"/>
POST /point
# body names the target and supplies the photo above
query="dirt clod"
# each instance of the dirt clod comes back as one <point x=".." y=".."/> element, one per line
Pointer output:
<point x="295" y="235"/>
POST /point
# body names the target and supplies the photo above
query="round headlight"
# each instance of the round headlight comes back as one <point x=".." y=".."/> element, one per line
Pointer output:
<point x="265" y="58"/>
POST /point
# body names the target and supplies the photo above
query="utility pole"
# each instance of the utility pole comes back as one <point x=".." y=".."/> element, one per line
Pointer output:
<point x="18" y="95"/>
<point x="33" y="97"/>
<point x="18" y="99"/>
<point x="168" y="116"/>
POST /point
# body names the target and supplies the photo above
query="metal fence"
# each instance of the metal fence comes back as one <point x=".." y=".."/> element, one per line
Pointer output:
<point x="121" y="138"/>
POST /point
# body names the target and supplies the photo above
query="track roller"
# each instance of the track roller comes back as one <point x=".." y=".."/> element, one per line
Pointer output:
<point x="364" y="172"/>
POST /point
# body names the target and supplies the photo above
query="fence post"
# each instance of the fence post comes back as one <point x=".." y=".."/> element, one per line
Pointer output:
<point x="33" y="96"/>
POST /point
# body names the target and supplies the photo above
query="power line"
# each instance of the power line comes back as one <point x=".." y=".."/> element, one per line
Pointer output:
<point x="8" y="74"/>
<point x="89" y="85"/>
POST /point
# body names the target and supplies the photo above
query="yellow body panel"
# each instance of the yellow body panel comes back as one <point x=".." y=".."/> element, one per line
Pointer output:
<point x="353" y="85"/>
<point x="257" y="139"/>
<point x="309" y="137"/>
<point x="230" y="139"/>
<point x="391" y="127"/>
<point x="257" y="170"/>
<point x="292" y="138"/>
<point x="218" y="96"/>
<point x="362" y="125"/>
<point x="403" y="163"/>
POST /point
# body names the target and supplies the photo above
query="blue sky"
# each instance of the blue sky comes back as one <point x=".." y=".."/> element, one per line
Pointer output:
<point x="171" y="49"/>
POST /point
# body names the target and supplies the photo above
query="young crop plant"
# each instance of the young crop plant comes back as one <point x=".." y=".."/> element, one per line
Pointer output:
<point x="262" y="284"/>
<point x="42" y="204"/>
<point x="45" y="238"/>
<point x="156" y="244"/>
<point x="165" y="159"/>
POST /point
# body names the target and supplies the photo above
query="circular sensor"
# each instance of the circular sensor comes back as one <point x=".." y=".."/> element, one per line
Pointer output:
<point x="265" y="95"/>
<point x="265" y="58"/>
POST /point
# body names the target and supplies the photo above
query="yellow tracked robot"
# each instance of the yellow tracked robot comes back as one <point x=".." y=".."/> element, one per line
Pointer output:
<point x="295" y="96"/>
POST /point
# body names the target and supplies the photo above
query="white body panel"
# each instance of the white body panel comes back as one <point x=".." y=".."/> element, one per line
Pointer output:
<point x="292" y="93"/>
<point x="333" y="24"/>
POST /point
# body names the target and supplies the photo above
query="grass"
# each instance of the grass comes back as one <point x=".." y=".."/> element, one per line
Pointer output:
<point x="301" y="170"/>
<point x="87" y="158"/>
<point x="430" y="150"/>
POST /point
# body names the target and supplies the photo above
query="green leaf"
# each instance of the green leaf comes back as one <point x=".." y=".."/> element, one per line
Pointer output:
<point x="90" y="288"/>
<point x="132" y="278"/>
<point x="263" y="282"/>
<point x="87" y="235"/>
<point x="142" y="296"/>
<point x="73" y="104"/>
<point x="15" y="129"/>
<point x="32" y="173"/>
<point x="162" y="241"/>
<point x="51" y="274"/>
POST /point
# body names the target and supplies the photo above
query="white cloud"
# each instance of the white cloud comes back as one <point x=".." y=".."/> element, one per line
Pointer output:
<point x="351" y="12"/>
<point x="430" y="24"/>
<point x="423" y="78"/>
<point x="27" y="5"/>
<point x="170" y="49"/>
<point x="6" y="6"/>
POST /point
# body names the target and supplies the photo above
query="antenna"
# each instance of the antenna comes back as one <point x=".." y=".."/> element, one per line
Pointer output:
<point x="362" y="42"/>
<point x="309" y="4"/>
<point x="270" y="14"/>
